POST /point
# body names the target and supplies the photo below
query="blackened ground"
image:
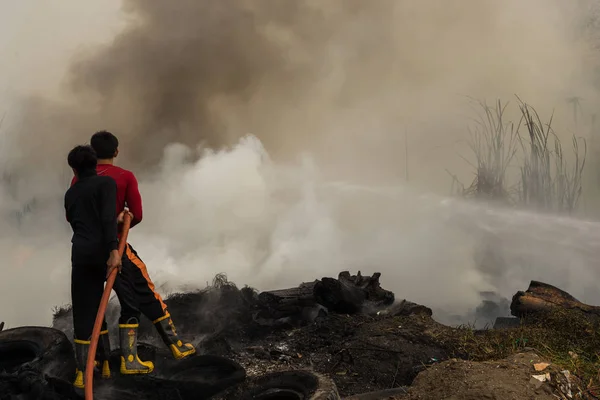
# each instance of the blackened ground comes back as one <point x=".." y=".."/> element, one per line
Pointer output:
<point x="45" y="349"/>
<point x="30" y="384"/>
<point x="220" y="308"/>
<point x="373" y="350"/>
<point x="360" y="352"/>
<point x="34" y="364"/>
<point x="290" y="385"/>
<point x="196" y="378"/>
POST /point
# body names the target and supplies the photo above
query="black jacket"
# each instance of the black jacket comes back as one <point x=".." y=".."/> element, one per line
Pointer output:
<point x="90" y="205"/>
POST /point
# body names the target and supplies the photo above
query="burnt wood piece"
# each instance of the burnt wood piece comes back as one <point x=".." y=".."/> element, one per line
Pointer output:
<point x="350" y="293"/>
<point x="347" y="294"/>
<point x="542" y="297"/>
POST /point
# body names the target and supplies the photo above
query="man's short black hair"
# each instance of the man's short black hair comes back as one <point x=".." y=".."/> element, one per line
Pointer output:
<point x="105" y="144"/>
<point x="82" y="158"/>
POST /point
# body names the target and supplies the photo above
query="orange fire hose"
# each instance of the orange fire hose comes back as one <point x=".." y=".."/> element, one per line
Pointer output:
<point x="110" y="280"/>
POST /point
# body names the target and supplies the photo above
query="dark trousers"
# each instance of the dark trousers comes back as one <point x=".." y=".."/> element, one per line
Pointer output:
<point x="136" y="291"/>
<point x="87" y="286"/>
<point x="133" y="286"/>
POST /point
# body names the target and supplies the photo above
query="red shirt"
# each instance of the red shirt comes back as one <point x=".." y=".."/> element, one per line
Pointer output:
<point x="127" y="190"/>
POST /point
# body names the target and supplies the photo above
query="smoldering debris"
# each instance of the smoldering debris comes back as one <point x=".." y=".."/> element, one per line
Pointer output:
<point x="326" y="325"/>
<point x="491" y="307"/>
<point x="358" y="341"/>
<point x="223" y="308"/>
<point x="348" y="294"/>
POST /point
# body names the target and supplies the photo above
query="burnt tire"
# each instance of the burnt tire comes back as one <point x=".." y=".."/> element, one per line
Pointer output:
<point x="205" y="374"/>
<point x="28" y="384"/>
<point x="292" y="385"/>
<point x="198" y="377"/>
<point x="46" y="350"/>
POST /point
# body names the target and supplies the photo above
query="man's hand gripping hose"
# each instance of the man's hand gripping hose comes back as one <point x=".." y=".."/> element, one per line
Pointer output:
<point x="110" y="280"/>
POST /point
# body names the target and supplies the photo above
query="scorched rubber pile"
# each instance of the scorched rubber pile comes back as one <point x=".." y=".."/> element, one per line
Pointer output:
<point x="328" y="339"/>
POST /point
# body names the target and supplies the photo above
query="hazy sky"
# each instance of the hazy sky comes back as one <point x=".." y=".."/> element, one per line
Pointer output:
<point x="32" y="48"/>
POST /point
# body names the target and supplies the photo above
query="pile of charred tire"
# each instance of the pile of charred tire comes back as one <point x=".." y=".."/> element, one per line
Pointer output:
<point x="39" y="362"/>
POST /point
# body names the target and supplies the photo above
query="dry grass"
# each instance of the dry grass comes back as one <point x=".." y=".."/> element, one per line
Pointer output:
<point x="493" y="141"/>
<point x="547" y="181"/>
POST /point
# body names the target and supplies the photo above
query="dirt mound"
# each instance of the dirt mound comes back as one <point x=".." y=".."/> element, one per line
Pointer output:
<point x="514" y="378"/>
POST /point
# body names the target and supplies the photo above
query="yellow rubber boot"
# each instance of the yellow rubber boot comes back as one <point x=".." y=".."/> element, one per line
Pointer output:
<point x="166" y="330"/>
<point x="130" y="362"/>
<point x="82" y="348"/>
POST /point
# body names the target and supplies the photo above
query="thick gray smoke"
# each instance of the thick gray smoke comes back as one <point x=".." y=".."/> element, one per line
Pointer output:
<point x="329" y="91"/>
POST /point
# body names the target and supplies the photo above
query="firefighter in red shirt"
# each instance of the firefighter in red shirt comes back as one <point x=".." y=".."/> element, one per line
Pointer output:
<point x="133" y="286"/>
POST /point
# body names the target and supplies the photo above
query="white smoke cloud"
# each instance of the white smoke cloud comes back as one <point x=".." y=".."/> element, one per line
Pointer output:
<point x="344" y="94"/>
<point x="272" y="226"/>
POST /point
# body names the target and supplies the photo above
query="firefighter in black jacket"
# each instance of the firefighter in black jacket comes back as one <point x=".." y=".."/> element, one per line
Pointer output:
<point x="90" y="206"/>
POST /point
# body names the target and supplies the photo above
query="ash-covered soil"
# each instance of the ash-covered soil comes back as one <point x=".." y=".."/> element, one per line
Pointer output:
<point x="362" y="352"/>
<point x="372" y="346"/>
